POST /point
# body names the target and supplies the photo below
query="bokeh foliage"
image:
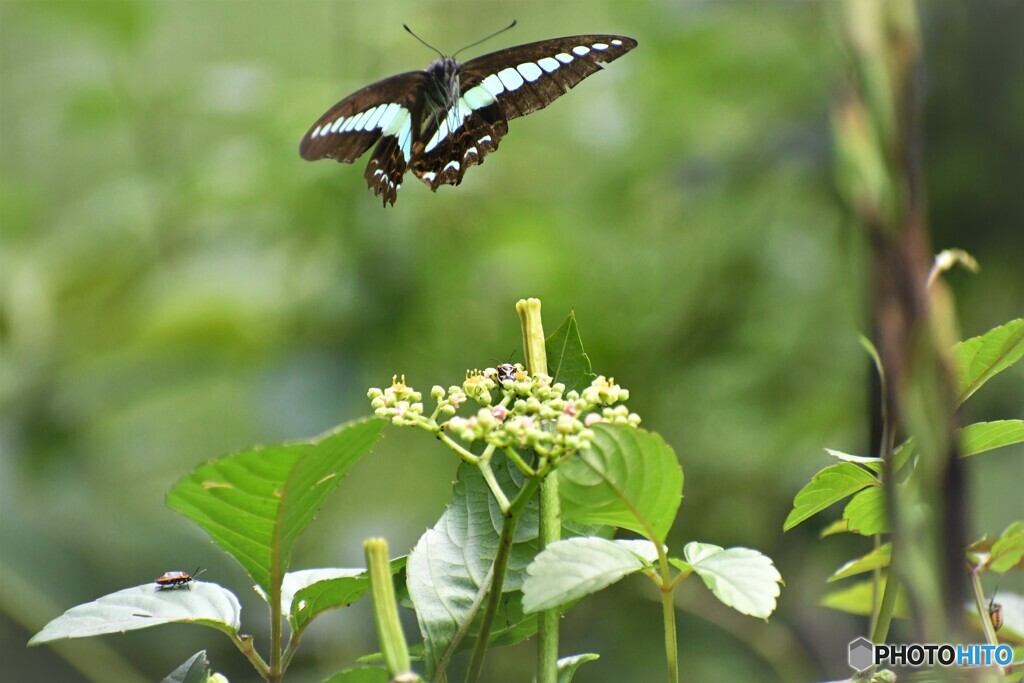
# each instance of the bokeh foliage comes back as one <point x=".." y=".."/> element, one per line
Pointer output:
<point x="175" y="283"/>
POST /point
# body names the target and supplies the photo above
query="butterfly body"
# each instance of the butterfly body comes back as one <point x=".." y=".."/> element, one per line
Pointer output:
<point x="440" y="121"/>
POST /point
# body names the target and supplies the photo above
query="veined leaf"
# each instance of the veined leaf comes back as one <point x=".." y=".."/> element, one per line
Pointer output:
<point x="195" y="669"/>
<point x="570" y="569"/>
<point x="858" y="599"/>
<point x="828" y="486"/>
<point x="568" y="363"/>
<point x="452" y="561"/>
<point x="985" y="436"/>
<point x="203" y="603"/>
<point x="255" y="504"/>
<point x="876" y="559"/>
<point x="628" y="478"/>
<point x="865" y="513"/>
<point x="1008" y="551"/>
<point x="979" y="359"/>
<point x="741" y="578"/>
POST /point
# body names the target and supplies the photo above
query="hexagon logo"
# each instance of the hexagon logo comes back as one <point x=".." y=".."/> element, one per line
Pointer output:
<point x="861" y="654"/>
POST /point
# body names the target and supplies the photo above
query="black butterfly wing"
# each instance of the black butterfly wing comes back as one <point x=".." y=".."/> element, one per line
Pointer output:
<point x="504" y="85"/>
<point x="385" y="111"/>
<point x="529" y="77"/>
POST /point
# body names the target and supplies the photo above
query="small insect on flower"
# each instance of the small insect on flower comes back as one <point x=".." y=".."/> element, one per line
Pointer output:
<point x="506" y="372"/>
<point x="177" y="579"/>
<point x="995" y="613"/>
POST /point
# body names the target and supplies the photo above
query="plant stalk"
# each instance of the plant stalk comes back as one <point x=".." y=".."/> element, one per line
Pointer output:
<point x="385" y="608"/>
<point x="275" y="673"/>
<point x="535" y="351"/>
<point x="508" y="532"/>
<point x="979" y="602"/>
<point x="668" y="611"/>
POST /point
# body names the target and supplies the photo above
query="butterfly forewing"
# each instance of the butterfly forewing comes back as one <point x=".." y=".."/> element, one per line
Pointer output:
<point x="529" y="77"/>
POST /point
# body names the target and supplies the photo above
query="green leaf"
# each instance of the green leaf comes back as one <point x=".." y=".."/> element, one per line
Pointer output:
<point x="828" y="486"/>
<point x="567" y="361"/>
<point x="840" y="526"/>
<point x="567" y="666"/>
<point x="741" y="578"/>
<point x="452" y="561"/>
<point x="203" y="603"/>
<point x="628" y="478"/>
<point x="873" y="464"/>
<point x="255" y="504"/>
<point x="309" y="593"/>
<point x="363" y="674"/>
<point x="985" y="436"/>
<point x="1008" y="551"/>
<point x="195" y="670"/>
<point x="979" y="359"/>
<point x="865" y="513"/>
<point x="876" y="559"/>
<point x="570" y="569"/>
<point x="857" y="599"/>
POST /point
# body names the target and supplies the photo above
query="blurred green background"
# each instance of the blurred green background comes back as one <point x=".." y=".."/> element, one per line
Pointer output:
<point x="176" y="283"/>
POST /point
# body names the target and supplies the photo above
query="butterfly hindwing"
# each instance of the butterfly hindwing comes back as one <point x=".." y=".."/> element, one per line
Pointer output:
<point x="385" y="111"/>
<point x="529" y="77"/>
<point x="442" y="156"/>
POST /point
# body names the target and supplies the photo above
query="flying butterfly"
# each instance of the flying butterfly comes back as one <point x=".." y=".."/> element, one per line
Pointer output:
<point x="440" y="121"/>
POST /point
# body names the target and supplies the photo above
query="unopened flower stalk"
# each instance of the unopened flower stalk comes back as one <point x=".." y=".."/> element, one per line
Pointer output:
<point x="385" y="608"/>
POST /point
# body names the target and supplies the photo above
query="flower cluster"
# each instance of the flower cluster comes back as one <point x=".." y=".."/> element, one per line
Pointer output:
<point x="514" y="410"/>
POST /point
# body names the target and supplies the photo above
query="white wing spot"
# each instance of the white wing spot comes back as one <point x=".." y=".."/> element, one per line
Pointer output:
<point x="486" y="138"/>
<point x="377" y="172"/>
<point x="440" y="134"/>
<point x="335" y="126"/>
<point x="616" y="42"/>
<point x="479" y="97"/>
<point x="563" y="58"/>
<point x="548" y="64"/>
<point x="493" y="85"/>
<point x="471" y="150"/>
<point x="600" y="46"/>
<point x="315" y="132"/>
<point x="510" y="78"/>
<point x="396" y="121"/>
<point x="390" y="112"/>
<point x="429" y="176"/>
<point x="580" y="50"/>
<point x="374" y="121"/>
<point x="349" y="124"/>
<point x="530" y="71"/>
<point x="451" y="164"/>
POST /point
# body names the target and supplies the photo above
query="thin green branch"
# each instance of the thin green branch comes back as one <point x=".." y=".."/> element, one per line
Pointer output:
<point x="979" y="602"/>
<point x="245" y="646"/>
<point x="492" y="483"/>
<point x="508" y="530"/>
<point x="459" y="450"/>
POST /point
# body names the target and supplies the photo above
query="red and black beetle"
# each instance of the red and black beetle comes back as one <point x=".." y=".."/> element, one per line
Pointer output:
<point x="177" y="579"/>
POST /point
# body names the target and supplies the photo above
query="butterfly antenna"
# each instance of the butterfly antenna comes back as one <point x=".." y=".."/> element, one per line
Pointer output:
<point x="439" y="53"/>
<point x="483" y="40"/>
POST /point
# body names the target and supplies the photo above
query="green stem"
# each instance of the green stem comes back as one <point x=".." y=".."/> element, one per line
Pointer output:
<point x="245" y="646"/>
<point x="275" y="672"/>
<point x="668" y="613"/>
<point x="485" y="469"/>
<point x="508" y="531"/>
<point x="979" y="602"/>
<point x="876" y="592"/>
<point x="518" y="461"/>
<point x="459" y="450"/>
<point x="385" y="608"/>
<point x="888" y="606"/>
<point x="547" y="621"/>
<point x="535" y="352"/>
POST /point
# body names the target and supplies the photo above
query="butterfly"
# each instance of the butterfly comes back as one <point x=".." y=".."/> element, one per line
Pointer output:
<point x="440" y="121"/>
